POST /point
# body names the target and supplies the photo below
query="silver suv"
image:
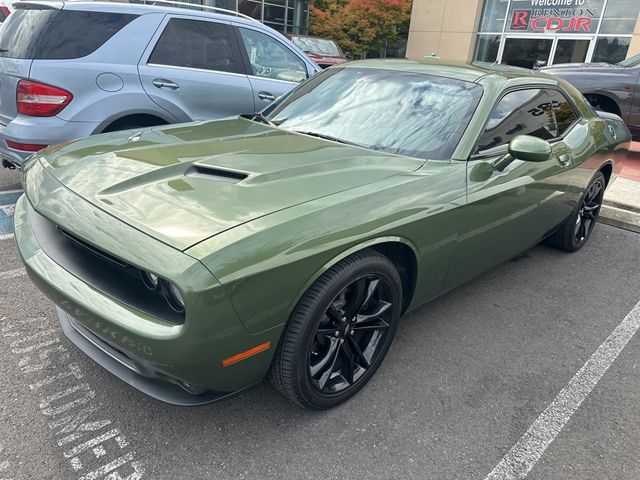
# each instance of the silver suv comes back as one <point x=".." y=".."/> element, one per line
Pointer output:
<point x="73" y="69"/>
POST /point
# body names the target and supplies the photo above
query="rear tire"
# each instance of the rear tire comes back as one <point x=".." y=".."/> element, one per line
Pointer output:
<point x="339" y="332"/>
<point x="575" y="231"/>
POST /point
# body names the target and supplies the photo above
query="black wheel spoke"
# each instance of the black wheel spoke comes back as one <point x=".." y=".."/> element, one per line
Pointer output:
<point x="333" y="313"/>
<point x="327" y="360"/>
<point x="380" y="309"/>
<point x="362" y="360"/>
<point x="357" y="296"/>
<point x="328" y="330"/>
<point x="371" y="290"/>
<point x="348" y="366"/>
<point x="328" y="367"/>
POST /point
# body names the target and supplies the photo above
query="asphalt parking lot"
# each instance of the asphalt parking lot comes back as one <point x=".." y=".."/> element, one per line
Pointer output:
<point x="467" y="376"/>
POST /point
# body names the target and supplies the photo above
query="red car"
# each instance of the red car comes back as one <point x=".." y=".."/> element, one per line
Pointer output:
<point x="323" y="51"/>
<point x="4" y="13"/>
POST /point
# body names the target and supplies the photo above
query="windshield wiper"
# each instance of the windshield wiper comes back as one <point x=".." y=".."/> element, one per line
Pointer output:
<point x="3" y="50"/>
<point x="327" y="137"/>
<point x="258" y="117"/>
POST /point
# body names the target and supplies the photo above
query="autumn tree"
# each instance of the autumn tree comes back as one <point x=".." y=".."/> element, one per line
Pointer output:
<point x="360" y="26"/>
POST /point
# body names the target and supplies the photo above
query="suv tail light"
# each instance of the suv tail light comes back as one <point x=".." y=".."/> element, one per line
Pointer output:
<point x="36" y="99"/>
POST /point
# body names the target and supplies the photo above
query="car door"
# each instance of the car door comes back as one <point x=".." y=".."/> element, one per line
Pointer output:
<point x="193" y="69"/>
<point x="633" y="122"/>
<point x="511" y="203"/>
<point x="274" y="69"/>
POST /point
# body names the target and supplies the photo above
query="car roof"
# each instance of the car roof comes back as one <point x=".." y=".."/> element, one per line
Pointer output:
<point x="470" y="72"/>
<point x="141" y="9"/>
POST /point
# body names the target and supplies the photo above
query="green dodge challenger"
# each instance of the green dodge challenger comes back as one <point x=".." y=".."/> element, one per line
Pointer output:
<point x="194" y="261"/>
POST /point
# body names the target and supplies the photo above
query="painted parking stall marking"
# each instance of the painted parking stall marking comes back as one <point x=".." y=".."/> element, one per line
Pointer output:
<point x="523" y="456"/>
<point x="92" y="445"/>
<point x="8" y="201"/>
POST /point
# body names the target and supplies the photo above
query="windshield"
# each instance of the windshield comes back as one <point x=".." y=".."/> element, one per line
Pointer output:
<point x="318" y="45"/>
<point x="631" y="61"/>
<point x="403" y="113"/>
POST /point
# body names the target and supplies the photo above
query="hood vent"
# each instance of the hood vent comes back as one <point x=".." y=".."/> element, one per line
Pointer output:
<point x="215" y="174"/>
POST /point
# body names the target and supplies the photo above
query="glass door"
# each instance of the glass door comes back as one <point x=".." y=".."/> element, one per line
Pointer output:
<point x="570" y="50"/>
<point x="526" y="52"/>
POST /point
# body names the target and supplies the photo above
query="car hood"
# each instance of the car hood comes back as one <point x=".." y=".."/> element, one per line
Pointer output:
<point x="320" y="58"/>
<point x="183" y="184"/>
<point x="580" y="67"/>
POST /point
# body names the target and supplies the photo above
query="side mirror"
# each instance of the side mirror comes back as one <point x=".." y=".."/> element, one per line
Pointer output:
<point x="530" y="149"/>
<point x="349" y="55"/>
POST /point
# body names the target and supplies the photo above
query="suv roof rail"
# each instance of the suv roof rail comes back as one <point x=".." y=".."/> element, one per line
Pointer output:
<point x="195" y="6"/>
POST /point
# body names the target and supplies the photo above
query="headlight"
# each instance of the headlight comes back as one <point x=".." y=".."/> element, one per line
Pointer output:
<point x="174" y="297"/>
<point x="150" y="280"/>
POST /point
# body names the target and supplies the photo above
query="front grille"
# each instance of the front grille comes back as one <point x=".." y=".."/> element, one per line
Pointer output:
<point x="103" y="271"/>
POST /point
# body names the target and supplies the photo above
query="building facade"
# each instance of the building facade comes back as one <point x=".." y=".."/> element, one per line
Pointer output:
<point x="285" y="16"/>
<point x="525" y="33"/>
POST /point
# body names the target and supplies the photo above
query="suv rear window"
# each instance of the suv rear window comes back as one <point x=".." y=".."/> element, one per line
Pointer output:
<point x="50" y="34"/>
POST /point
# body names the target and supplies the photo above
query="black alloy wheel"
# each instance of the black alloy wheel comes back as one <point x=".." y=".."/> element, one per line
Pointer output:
<point x="339" y="332"/>
<point x="575" y="231"/>
<point x="350" y="336"/>
<point x="588" y="212"/>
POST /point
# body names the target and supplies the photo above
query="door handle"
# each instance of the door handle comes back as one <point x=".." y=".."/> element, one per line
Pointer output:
<point x="162" y="83"/>
<point x="266" y="96"/>
<point x="564" y="159"/>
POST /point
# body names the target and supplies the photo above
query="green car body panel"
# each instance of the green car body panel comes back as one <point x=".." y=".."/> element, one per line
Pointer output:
<point x="243" y="217"/>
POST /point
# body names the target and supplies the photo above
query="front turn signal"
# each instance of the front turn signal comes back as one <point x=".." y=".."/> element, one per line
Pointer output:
<point x="246" y="354"/>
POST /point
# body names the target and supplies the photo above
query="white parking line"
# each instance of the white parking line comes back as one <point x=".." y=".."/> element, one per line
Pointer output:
<point x="18" y="272"/>
<point x="523" y="456"/>
<point x="6" y="237"/>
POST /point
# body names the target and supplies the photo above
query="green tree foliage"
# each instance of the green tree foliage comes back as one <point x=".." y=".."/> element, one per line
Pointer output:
<point x="360" y="26"/>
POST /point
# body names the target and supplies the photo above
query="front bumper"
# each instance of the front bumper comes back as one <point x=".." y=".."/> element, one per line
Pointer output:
<point x="119" y="365"/>
<point x="179" y="364"/>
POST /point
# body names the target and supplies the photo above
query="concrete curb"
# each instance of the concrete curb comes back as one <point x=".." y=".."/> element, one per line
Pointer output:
<point x="621" y="206"/>
<point x="620" y="217"/>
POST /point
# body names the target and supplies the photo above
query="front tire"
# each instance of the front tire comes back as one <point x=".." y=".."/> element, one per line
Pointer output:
<point x="339" y="332"/>
<point x="575" y="231"/>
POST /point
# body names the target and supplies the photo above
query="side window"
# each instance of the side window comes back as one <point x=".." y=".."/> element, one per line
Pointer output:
<point x="195" y="44"/>
<point x="271" y="59"/>
<point x="76" y="34"/>
<point x="541" y="113"/>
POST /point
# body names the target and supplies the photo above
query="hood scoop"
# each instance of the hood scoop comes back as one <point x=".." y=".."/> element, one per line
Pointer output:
<point x="213" y="173"/>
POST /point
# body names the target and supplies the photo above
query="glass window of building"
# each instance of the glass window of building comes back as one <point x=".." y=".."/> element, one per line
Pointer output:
<point x="620" y="16"/>
<point x="284" y="16"/>
<point x="535" y="33"/>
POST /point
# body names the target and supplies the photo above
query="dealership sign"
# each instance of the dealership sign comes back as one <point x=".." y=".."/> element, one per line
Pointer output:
<point x="554" y="16"/>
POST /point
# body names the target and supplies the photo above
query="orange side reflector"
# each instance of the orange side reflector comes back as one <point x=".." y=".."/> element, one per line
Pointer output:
<point x="244" y="355"/>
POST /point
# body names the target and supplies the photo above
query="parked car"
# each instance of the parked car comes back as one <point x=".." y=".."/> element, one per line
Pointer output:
<point x="609" y="88"/>
<point x="323" y="51"/>
<point x="192" y="261"/>
<point x="4" y="13"/>
<point x="70" y="70"/>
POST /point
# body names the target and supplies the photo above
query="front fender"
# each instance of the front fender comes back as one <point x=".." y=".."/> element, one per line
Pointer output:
<point x="346" y="253"/>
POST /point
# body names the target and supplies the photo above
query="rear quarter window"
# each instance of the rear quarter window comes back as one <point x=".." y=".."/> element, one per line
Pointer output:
<point x="51" y="34"/>
<point x="75" y="34"/>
